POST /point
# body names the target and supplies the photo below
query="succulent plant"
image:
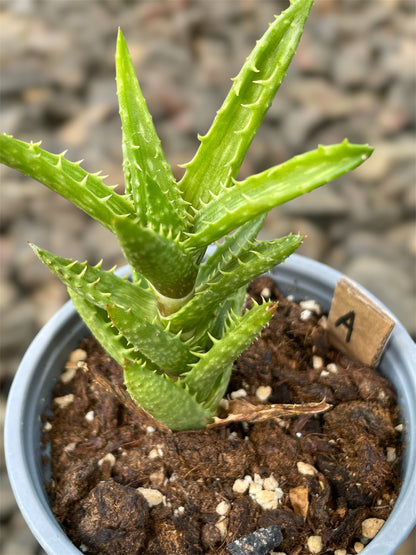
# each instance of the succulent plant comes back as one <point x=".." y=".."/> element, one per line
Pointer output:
<point x="176" y="325"/>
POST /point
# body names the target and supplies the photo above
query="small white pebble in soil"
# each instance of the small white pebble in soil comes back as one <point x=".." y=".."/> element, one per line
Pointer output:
<point x="224" y="404"/>
<point x="222" y="527"/>
<point x="358" y="547"/>
<point x="70" y="447"/>
<point x="223" y="508"/>
<point x="298" y="434"/>
<point x="254" y="489"/>
<point x="79" y="355"/>
<point x="266" y="292"/>
<point x="332" y="367"/>
<point x="47" y="427"/>
<point x="371" y="526"/>
<point x="340" y="552"/>
<point x="290" y="298"/>
<point x="263" y="392"/>
<point x="399" y="428"/>
<point x="179" y="511"/>
<point x="240" y="486"/>
<point x="323" y="322"/>
<point x="317" y="362"/>
<point x="257" y="479"/>
<point x="157" y="478"/>
<point x="282" y="423"/>
<point x="64" y="401"/>
<point x="391" y="454"/>
<point x="160" y="452"/>
<point x="232" y="435"/>
<point x="311" y="305"/>
<point x="84" y="548"/>
<point x="306" y="469"/>
<point x="153" y="496"/>
<point x="89" y="417"/>
<point x="315" y="544"/>
<point x="239" y="394"/>
<point x="108" y="458"/>
<point x="305" y="315"/>
<point x="324" y="374"/>
<point x="153" y="454"/>
<point x="268" y="500"/>
<point x="270" y="483"/>
<point x="68" y="375"/>
<point x="150" y="429"/>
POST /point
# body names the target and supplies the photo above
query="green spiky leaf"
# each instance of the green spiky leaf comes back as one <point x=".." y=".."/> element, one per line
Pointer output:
<point x="238" y="272"/>
<point x="165" y="399"/>
<point x="206" y="374"/>
<point x="163" y="348"/>
<point x="98" y="286"/>
<point x="148" y="176"/>
<point x="103" y="329"/>
<point x="222" y="150"/>
<point x="159" y="258"/>
<point x="85" y="190"/>
<point x="262" y="192"/>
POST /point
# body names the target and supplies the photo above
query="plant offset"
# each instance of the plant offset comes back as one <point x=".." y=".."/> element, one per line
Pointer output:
<point x="177" y="326"/>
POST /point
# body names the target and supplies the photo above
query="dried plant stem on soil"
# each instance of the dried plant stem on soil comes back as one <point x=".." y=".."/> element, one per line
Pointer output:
<point x="121" y="485"/>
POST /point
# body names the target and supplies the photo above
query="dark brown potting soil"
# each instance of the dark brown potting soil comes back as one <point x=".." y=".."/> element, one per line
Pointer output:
<point x="122" y="486"/>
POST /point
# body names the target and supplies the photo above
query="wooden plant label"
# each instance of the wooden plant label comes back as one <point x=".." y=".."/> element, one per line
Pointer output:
<point x="357" y="325"/>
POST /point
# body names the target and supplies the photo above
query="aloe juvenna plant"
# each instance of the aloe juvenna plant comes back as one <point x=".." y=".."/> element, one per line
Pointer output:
<point x="177" y="326"/>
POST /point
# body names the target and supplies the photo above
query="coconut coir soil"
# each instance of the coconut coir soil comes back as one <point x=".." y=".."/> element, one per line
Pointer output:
<point x="102" y="453"/>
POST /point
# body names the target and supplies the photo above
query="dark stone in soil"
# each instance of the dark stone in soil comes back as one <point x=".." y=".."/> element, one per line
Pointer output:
<point x="259" y="542"/>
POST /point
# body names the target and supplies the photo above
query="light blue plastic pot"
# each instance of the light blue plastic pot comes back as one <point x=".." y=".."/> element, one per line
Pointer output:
<point x="42" y="364"/>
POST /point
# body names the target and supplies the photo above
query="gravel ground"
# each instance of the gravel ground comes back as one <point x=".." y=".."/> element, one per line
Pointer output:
<point x="353" y="76"/>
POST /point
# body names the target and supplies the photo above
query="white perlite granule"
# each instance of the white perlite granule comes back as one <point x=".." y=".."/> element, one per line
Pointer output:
<point x="153" y="496"/>
<point x="270" y="483"/>
<point x="315" y="544"/>
<point x="70" y="447"/>
<point x="306" y="469"/>
<point x="332" y="367"/>
<point x="89" y="417"/>
<point x="241" y="485"/>
<point x="268" y="500"/>
<point x="222" y="508"/>
<point x="305" y="315"/>
<point x="371" y="526"/>
<point x="266" y="292"/>
<point x="239" y="394"/>
<point x="79" y="355"/>
<point x="222" y="527"/>
<point x="263" y="392"/>
<point x="109" y="458"/>
<point x="317" y="362"/>
<point x="68" y="375"/>
<point x="64" y="401"/>
<point x="311" y="305"/>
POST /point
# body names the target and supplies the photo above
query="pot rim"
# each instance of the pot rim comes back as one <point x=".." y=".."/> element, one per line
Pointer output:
<point x="25" y="472"/>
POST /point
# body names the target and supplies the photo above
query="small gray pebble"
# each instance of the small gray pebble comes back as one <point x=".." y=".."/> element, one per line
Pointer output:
<point x="259" y="542"/>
